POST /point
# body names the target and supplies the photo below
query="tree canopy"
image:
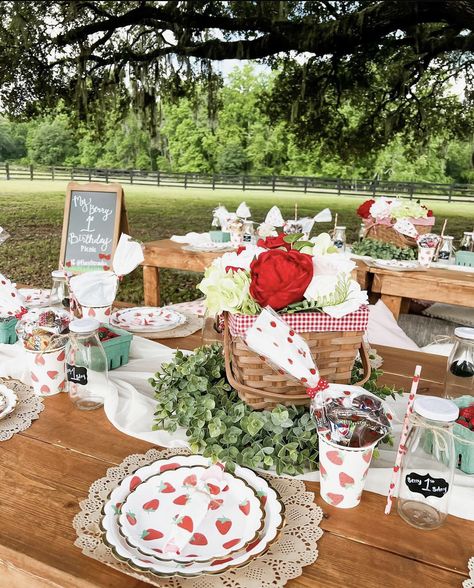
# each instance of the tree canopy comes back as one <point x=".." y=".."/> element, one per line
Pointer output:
<point x="395" y="60"/>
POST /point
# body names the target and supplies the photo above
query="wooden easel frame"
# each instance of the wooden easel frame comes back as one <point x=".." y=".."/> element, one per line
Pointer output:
<point x="121" y="219"/>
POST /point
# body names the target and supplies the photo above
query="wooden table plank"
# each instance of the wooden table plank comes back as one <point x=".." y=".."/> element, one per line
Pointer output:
<point x="49" y="492"/>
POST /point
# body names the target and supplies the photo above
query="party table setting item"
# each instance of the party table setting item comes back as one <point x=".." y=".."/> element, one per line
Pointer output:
<point x="217" y="512"/>
<point x="394" y="220"/>
<point x="147" y="319"/>
<point x="36" y="297"/>
<point x="470" y="583"/>
<point x="427" y="245"/>
<point x="21" y="406"/>
<point x="95" y="291"/>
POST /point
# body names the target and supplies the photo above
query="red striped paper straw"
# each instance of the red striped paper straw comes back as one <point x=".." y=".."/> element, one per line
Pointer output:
<point x="403" y="438"/>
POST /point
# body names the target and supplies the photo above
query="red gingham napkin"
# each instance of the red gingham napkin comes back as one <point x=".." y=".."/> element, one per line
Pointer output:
<point x="305" y="322"/>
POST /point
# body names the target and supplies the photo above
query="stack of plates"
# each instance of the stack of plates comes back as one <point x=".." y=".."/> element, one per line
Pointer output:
<point x="146" y="507"/>
<point x="209" y="247"/>
<point x="8" y="401"/>
<point x="147" y="319"/>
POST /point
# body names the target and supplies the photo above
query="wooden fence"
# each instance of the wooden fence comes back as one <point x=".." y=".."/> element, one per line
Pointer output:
<point x="307" y="185"/>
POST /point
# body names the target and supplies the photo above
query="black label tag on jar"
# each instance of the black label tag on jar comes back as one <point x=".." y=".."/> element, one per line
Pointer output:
<point x="76" y="374"/>
<point x="339" y="244"/>
<point x="443" y="255"/>
<point x="427" y="485"/>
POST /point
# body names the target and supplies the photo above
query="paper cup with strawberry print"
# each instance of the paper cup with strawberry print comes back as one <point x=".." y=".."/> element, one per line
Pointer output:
<point x="343" y="471"/>
<point x="100" y="313"/>
<point x="47" y="371"/>
<point x="426" y="255"/>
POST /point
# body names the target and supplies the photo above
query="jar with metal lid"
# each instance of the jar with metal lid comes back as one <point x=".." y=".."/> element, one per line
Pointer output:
<point x="59" y="295"/>
<point x="460" y="369"/>
<point x="446" y="250"/>
<point x="466" y="242"/>
<point x="339" y="238"/>
<point x="428" y="463"/>
<point x="86" y="365"/>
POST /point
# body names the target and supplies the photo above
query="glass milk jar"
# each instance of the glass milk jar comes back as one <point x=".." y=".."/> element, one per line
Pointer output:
<point x="60" y="290"/>
<point x="427" y="468"/>
<point x="460" y="371"/>
<point x="339" y="239"/>
<point x="86" y="365"/>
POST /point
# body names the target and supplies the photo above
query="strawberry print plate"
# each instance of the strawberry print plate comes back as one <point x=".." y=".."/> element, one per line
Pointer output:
<point x="162" y="509"/>
<point x="114" y="507"/>
<point x="35" y="297"/>
<point x="143" y="319"/>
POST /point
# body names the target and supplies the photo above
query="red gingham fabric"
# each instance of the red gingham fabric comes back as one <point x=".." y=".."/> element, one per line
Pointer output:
<point x="306" y="322"/>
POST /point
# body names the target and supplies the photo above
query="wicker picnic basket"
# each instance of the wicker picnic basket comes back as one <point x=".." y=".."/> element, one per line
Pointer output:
<point x="388" y="234"/>
<point x="260" y="386"/>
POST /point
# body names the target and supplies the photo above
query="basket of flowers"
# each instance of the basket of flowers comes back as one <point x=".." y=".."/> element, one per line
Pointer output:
<point x="380" y="217"/>
<point x="311" y="287"/>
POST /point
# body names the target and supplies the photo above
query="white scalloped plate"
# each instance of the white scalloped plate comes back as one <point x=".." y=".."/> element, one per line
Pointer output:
<point x="11" y="400"/>
<point x="274" y="522"/>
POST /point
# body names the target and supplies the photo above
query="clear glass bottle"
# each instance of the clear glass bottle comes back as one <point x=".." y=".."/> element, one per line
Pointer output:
<point x="361" y="235"/>
<point x="86" y="365"/>
<point x="248" y="236"/>
<point x="466" y="242"/>
<point x="460" y="369"/>
<point x="60" y="289"/>
<point x="446" y="250"/>
<point x="427" y="468"/>
<point x="339" y="238"/>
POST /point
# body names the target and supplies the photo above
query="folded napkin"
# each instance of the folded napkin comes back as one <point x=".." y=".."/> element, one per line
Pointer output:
<point x="243" y="211"/>
<point x="99" y="288"/>
<point x="12" y="302"/>
<point x="201" y="490"/>
<point x="195" y="239"/>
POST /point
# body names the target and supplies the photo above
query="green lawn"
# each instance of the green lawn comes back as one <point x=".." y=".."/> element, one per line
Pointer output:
<point x="32" y="212"/>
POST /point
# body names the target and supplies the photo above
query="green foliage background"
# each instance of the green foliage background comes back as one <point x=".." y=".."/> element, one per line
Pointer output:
<point x="237" y="137"/>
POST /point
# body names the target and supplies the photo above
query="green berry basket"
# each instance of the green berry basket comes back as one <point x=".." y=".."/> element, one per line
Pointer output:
<point x="7" y="331"/>
<point x="465" y="258"/>
<point x="117" y="349"/>
<point x="464" y="452"/>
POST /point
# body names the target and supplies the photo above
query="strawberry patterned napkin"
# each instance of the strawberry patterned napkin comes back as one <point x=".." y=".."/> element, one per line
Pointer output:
<point x="12" y="302"/>
<point x="202" y="491"/>
<point x="272" y="338"/>
<point x="405" y="227"/>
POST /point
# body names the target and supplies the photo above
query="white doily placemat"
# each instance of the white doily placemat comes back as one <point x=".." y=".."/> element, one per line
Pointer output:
<point x="27" y="409"/>
<point x="470" y="583"/>
<point x="285" y="560"/>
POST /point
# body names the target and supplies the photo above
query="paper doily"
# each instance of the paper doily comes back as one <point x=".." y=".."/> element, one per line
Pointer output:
<point x="192" y="325"/>
<point x="470" y="583"/>
<point x="28" y="408"/>
<point x="285" y="560"/>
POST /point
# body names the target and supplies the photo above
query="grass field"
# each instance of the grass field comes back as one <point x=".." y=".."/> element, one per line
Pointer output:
<point x="32" y="212"/>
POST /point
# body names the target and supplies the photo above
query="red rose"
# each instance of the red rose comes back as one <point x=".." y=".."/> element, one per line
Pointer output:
<point x="279" y="278"/>
<point x="274" y="242"/>
<point x="364" y="209"/>
<point x="429" y="213"/>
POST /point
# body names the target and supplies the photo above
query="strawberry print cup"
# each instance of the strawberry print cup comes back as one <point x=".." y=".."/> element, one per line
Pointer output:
<point x="426" y="255"/>
<point x="47" y="371"/>
<point x="100" y="313"/>
<point x="343" y="471"/>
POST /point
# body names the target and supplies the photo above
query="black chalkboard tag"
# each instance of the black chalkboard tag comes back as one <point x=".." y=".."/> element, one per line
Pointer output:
<point x="76" y="374"/>
<point x="427" y="485"/>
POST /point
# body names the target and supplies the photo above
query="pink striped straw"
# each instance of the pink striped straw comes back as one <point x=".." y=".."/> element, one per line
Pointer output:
<point x="403" y="438"/>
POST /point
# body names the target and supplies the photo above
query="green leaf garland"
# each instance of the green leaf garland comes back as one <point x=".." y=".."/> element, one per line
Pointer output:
<point x="192" y="392"/>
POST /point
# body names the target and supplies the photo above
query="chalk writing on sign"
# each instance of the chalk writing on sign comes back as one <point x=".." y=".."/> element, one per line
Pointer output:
<point x="427" y="485"/>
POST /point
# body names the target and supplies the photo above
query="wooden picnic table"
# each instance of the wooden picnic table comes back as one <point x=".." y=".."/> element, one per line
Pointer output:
<point x="46" y="470"/>
<point x="397" y="288"/>
<point x="394" y="288"/>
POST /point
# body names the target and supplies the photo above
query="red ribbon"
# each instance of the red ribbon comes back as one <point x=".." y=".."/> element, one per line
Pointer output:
<point x="321" y="385"/>
<point x="21" y="312"/>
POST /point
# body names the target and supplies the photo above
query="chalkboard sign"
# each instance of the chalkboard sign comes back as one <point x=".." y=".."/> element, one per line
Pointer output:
<point x="426" y="485"/>
<point x="76" y="374"/>
<point x="91" y="227"/>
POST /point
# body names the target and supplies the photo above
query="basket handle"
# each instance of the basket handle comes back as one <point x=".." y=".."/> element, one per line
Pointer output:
<point x="364" y="357"/>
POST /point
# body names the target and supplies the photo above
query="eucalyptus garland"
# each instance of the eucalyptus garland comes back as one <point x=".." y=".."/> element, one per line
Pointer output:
<point x="192" y="392"/>
<point x="382" y="250"/>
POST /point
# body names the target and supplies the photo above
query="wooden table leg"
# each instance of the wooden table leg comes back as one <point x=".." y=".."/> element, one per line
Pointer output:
<point x="151" y="285"/>
<point x="394" y="303"/>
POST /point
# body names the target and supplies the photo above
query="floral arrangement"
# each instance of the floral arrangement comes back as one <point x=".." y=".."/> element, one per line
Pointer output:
<point x="286" y="273"/>
<point x="389" y="210"/>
